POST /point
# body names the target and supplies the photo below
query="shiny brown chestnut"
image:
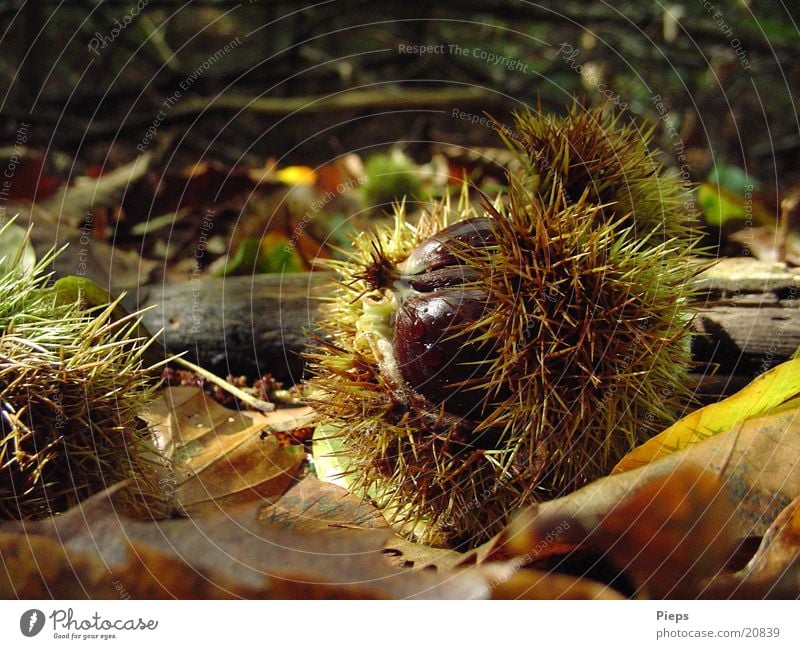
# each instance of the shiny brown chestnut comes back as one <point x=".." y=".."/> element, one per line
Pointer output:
<point x="434" y="327"/>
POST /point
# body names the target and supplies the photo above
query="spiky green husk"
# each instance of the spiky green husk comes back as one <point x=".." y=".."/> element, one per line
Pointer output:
<point x="592" y="331"/>
<point x="589" y="321"/>
<point x="72" y="384"/>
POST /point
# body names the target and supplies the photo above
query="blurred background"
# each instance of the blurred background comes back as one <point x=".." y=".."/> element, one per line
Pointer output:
<point x="171" y="141"/>
<point x="92" y="76"/>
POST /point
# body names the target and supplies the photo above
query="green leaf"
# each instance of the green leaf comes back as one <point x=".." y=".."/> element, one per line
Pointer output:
<point x="719" y="205"/>
<point x="70" y="289"/>
<point x="732" y="178"/>
<point x="277" y="255"/>
<point x="271" y="254"/>
<point x="243" y="260"/>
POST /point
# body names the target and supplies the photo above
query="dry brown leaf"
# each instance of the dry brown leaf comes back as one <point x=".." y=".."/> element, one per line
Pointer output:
<point x="509" y="581"/>
<point x="756" y="466"/>
<point x="73" y="202"/>
<point x="312" y="505"/>
<point x="221" y="457"/>
<point x="760" y="464"/>
<point x="495" y="549"/>
<point x="764" y="243"/>
<point x="72" y="214"/>
<point x="408" y="554"/>
<point x="91" y="551"/>
<point x="37" y="567"/>
<point x="671" y="534"/>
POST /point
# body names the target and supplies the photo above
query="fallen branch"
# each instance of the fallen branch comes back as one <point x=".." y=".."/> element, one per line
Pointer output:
<point x="254" y="325"/>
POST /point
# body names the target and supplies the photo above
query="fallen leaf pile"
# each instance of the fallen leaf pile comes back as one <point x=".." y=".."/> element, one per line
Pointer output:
<point x="245" y="518"/>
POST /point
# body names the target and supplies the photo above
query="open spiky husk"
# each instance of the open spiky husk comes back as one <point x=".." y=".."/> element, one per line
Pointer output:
<point x="589" y="321"/>
<point x="72" y="384"/>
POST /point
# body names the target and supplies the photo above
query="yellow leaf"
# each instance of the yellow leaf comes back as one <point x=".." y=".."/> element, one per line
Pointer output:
<point x="766" y="392"/>
<point x="297" y="176"/>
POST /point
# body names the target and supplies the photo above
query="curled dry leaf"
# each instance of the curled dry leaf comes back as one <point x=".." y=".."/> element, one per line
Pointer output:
<point x="758" y="460"/>
<point x="780" y="547"/>
<point x="408" y="554"/>
<point x="87" y="194"/>
<point x="218" y="457"/>
<point x="670" y="525"/>
<point x="774" y="570"/>
<point x="666" y="535"/>
<point x="764" y="242"/>
<point x="671" y="534"/>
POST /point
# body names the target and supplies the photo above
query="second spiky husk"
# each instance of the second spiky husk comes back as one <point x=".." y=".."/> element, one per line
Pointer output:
<point x="598" y="151"/>
<point x="72" y="385"/>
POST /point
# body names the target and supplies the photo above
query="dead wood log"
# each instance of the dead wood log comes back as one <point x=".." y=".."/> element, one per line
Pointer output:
<point x="748" y="321"/>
